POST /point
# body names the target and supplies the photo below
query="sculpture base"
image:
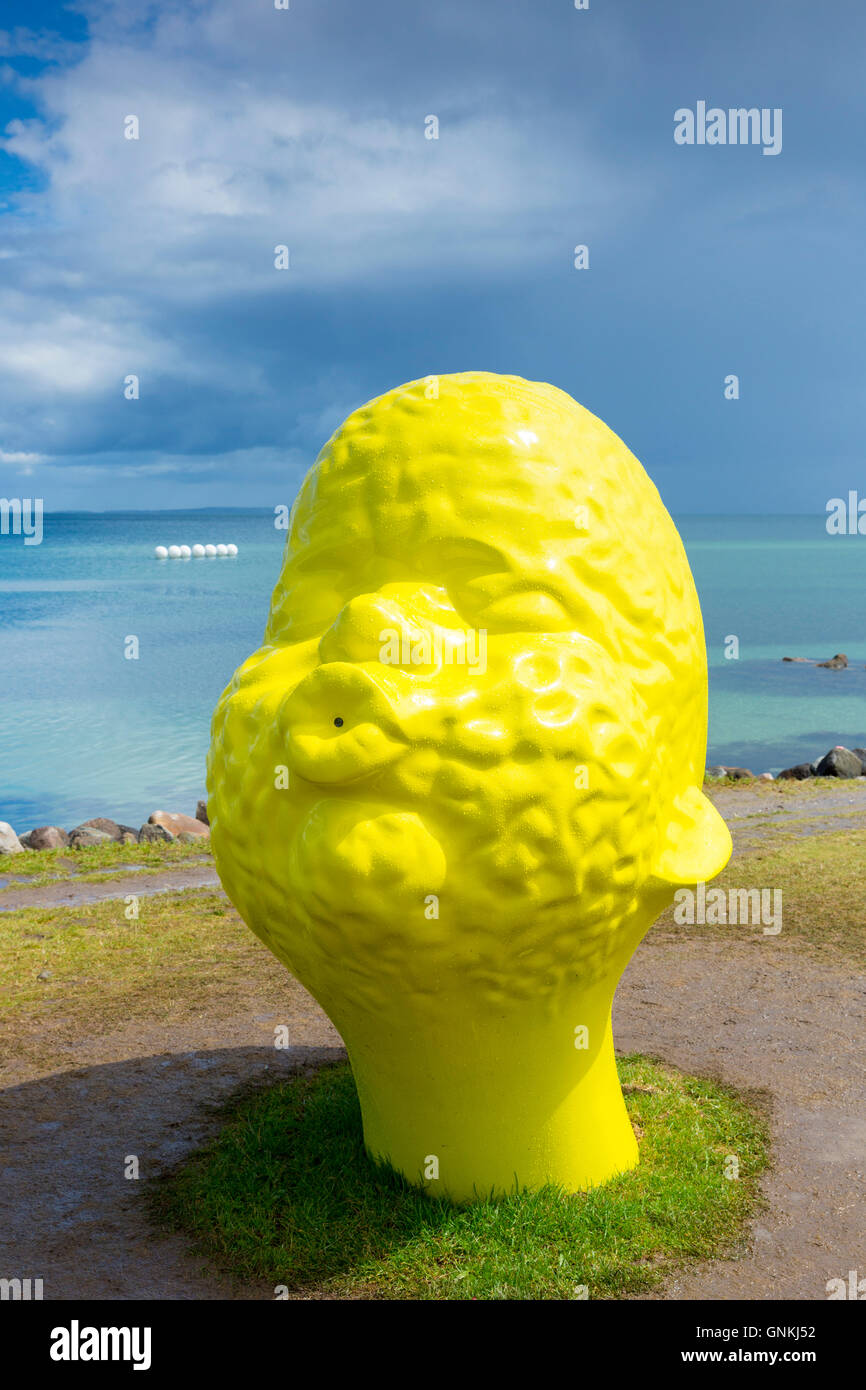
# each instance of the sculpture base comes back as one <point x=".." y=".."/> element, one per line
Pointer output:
<point x="515" y="1106"/>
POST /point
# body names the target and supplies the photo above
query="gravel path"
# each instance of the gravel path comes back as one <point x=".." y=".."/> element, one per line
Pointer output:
<point x="68" y="892"/>
<point x="768" y="1020"/>
<point x="755" y="814"/>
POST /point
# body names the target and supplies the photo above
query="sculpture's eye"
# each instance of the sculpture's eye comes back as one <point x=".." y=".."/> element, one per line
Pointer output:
<point x="338" y="723"/>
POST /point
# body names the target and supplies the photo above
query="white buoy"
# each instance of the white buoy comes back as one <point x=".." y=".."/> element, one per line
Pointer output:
<point x="198" y="551"/>
<point x="210" y="550"/>
<point x="185" y="552"/>
<point x="222" y="549"/>
<point x="161" y="552"/>
<point x="174" y="552"/>
<point x="231" y="550"/>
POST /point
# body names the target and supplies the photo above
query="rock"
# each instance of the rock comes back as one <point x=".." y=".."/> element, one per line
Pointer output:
<point x="186" y="837"/>
<point x="175" y="822"/>
<point x="109" y="827"/>
<point x="45" y="975"/>
<point x="861" y="754"/>
<point x="766" y="777"/>
<point x="128" y="836"/>
<point x="9" y="842"/>
<point x="738" y="773"/>
<point x="836" y="663"/>
<point x="47" y="837"/>
<point x="201" y="812"/>
<point x="84" y="836"/>
<point x="839" y="762"/>
<point x="149" y="833"/>
<point x="715" y="772"/>
<point x="800" y="771"/>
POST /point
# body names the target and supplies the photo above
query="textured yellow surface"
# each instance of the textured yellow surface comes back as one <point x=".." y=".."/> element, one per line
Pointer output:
<point x="460" y="779"/>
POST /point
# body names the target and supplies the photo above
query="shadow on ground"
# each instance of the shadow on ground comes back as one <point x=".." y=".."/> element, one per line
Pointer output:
<point x="71" y="1217"/>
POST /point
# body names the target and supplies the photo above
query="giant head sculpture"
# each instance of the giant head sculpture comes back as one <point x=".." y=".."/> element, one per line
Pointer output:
<point x="461" y="777"/>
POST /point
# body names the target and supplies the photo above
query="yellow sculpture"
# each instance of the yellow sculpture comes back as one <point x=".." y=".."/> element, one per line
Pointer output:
<point x="461" y="777"/>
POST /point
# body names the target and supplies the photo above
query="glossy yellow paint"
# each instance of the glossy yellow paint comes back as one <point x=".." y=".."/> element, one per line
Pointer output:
<point x="461" y="777"/>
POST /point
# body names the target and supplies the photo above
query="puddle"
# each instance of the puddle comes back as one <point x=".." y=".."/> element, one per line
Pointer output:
<point x="7" y="879"/>
<point x="66" y="893"/>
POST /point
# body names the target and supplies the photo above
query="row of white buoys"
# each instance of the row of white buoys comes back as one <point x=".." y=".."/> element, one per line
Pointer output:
<point x="186" y="552"/>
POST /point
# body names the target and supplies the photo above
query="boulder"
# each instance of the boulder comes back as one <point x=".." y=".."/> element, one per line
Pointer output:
<point x="108" y="827"/>
<point x="128" y="837"/>
<point x="201" y="812"/>
<point x="861" y="754"/>
<point x="839" y="762"/>
<point x="766" y="777"/>
<point x="800" y="771"/>
<point x="186" y="837"/>
<point x="738" y="773"/>
<point x="715" y="772"/>
<point x="84" y="836"/>
<point x="176" y="821"/>
<point x="9" y="842"/>
<point x="149" y="833"/>
<point x="836" y="663"/>
<point x="47" y="837"/>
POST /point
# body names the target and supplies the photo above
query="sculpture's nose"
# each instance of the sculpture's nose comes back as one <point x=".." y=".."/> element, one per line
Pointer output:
<point x="356" y="634"/>
<point x="340" y="726"/>
<point x="371" y="627"/>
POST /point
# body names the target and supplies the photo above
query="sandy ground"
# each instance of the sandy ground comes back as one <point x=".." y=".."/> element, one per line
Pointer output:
<point x="761" y="1016"/>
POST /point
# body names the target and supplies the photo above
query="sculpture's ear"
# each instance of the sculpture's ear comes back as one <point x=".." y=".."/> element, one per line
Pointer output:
<point x="697" y="845"/>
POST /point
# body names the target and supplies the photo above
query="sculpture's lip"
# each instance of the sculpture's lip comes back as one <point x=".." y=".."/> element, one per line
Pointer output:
<point x="352" y="756"/>
<point x="368" y="737"/>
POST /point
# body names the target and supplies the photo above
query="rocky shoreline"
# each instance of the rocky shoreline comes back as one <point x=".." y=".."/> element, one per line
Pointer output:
<point x="101" y="830"/>
<point x="838" y="761"/>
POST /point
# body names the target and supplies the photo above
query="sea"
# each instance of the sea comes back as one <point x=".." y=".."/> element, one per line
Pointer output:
<point x="87" y="729"/>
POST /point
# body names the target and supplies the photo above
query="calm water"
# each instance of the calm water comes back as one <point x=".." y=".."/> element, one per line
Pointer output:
<point x="85" y="732"/>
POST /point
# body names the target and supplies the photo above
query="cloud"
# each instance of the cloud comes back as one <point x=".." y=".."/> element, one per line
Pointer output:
<point x="148" y="479"/>
<point x="31" y="43"/>
<point x="27" y="462"/>
<point x="155" y="255"/>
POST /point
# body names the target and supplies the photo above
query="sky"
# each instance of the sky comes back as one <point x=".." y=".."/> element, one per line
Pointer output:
<point x="411" y="256"/>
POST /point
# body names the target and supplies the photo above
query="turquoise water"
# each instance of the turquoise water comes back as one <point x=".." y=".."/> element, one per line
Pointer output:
<point x="84" y="732"/>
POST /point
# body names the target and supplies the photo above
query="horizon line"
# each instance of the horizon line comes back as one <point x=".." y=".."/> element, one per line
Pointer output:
<point x="268" y="510"/>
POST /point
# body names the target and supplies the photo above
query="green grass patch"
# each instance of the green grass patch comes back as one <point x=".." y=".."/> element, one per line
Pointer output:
<point x="40" y="866"/>
<point x="287" y="1194"/>
<point x="95" y="968"/>
<point x="822" y="894"/>
<point x="785" y="786"/>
